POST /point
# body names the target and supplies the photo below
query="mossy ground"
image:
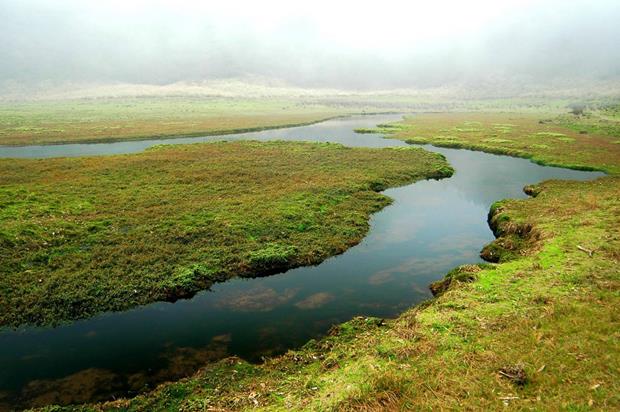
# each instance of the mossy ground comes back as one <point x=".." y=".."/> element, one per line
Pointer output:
<point x="79" y="236"/>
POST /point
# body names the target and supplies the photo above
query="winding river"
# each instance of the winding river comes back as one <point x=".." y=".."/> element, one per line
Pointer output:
<point x="431" y="227"/>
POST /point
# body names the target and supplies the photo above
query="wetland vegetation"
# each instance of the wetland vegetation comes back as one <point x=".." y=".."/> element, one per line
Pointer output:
<point x="546" y="138"/>
<point x="536" y="330"/>
<point x="555" y="275"/>
<point x="114" y="119"/>
<point x="85" y="235"/>
<point x="539" y="331"/>
<point x="318" y="206"/>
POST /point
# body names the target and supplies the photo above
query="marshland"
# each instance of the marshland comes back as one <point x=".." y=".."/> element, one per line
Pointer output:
<point x="196" y="215"/>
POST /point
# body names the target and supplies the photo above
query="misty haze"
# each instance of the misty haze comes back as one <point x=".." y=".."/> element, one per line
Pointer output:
<point x="326" y="206"/>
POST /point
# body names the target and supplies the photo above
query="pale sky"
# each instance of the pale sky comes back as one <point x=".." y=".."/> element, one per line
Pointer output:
<point x="345" y="44"/>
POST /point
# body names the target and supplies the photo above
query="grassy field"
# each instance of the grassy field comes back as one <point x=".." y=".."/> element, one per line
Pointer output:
<point x="140" y="117"/>
<point x="111" y="119"/>
<point x="539" y="330"/>
<point x="567" y="140"/>
<point x="79" y="236"/>
<point x="604" y="120"/>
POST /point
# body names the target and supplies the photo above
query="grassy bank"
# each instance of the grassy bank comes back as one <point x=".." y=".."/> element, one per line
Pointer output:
<point x="79" y="236"/>
<point x="567" y="141"/>
<point x="539" y="331"/>
<point x="113" y="119"/>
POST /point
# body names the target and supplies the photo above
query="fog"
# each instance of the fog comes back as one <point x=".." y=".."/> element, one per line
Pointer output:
<point x="318" y="44"/>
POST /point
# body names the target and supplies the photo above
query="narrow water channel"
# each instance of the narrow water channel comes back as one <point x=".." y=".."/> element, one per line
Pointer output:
<point x="431" y="227"/>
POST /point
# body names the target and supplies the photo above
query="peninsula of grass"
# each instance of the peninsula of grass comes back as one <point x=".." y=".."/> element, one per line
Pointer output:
<point x="119" y="119"/>
<point x="79" y="236"/>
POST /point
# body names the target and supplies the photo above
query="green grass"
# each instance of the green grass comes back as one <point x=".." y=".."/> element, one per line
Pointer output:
<point x="113" y="119"/>
<point x="538" y="136"/>
<point x="604" y="121"/>
<point x="105" y="119"/>
<point x="79" y="236"/>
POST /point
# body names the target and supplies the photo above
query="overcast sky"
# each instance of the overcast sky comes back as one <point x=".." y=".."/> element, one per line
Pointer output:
<point x="342" y="44"/>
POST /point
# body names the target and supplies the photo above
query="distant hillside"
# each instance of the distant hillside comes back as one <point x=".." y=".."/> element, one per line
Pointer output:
<point x="256" y="87"/>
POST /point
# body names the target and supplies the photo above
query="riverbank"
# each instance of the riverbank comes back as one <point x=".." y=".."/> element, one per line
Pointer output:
<point x="125" y="119"/>
<point x="85" y="235"/>
<point x="270" y="124"/>
<point x="544" y="138"/>
<point x="538" y="330"/>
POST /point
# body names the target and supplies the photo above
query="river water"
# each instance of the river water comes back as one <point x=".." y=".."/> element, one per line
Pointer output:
<point x="431" y="227"/>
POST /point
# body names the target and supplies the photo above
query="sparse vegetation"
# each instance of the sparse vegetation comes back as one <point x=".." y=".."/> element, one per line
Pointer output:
<point x="577" y="109"/>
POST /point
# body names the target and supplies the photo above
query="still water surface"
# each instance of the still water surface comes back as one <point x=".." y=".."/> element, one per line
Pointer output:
<point x="431" y="227"/>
